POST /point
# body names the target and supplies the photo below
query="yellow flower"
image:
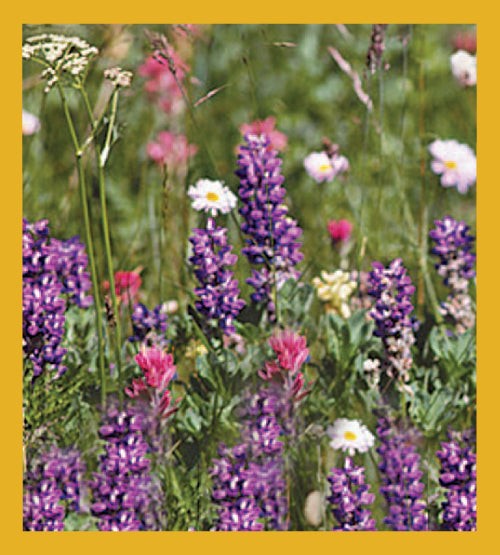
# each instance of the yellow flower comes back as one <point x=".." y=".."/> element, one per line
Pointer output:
<point x="195" y="349"/>
<point x="334" y="290"/>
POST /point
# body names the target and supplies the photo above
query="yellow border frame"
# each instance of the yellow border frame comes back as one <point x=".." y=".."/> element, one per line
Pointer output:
<point x="251" y="11"/>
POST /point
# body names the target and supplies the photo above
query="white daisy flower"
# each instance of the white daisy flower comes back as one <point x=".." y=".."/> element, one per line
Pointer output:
<point x="322" y="167"/>
<point x="350" y="436"/>
<point x="464" y="68"/>
<point x="212" y="196"/>
<point x="455" y="162"/>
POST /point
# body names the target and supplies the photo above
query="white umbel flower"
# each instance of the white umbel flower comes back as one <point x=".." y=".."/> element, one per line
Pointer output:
<point x="464" y="68"/>
<point x="211" y="196"/>
<point x="350" y="435"/>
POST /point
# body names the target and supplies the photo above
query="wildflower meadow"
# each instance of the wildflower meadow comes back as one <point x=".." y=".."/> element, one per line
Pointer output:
<point x="249" y="286"/>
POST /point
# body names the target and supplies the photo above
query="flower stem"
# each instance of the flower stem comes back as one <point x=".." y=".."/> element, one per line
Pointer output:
<point x="89" y="241"/>
<point x="107" y="242"/>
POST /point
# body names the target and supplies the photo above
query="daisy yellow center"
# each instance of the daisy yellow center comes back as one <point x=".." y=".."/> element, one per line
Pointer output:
<point x="350" y="436"/>
<point x="450" y="165"/>
<point x="324" y="167"/>
<point x="212" y="197"/>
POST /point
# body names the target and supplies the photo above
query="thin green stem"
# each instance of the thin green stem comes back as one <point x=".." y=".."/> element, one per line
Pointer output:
<point x="107" y="242"/>
<point x="89" y="241"/>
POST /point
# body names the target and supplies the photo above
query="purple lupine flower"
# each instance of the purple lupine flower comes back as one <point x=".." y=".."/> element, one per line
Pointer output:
<point x="52" y="485"/>
<point x="69" y="261"/>
<point x="453" y="245"/>
<point x="392" y="289"/>
<point x="273" y="237"/>
<point x="218" y="294"/>
<point x="122" y="484"/>
<point x="266" y="417"/>
<point x="249" y="486"/>
<point x="54" y="273"/>
<point x="149" y="326"/>
<point x="350" y="498"/>
<point x="458" y="477"/>
<point x="233" y="491"/>
<point x="401" y="474"/>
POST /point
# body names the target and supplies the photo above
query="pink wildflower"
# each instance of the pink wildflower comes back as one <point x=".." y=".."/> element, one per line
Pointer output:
<point x="455" y="163"/>
<point x="465" y="41"/>
<point x="159" y="369"/>
<point x="292" y="352"/>
<point x="171" y="150"/>
<point x="266" y="126"/>
<point x="157" y="365"/>
<point x="322" y="167"/>
<point x="127" y="286"/>
<point x="162" y="85"/>
<point x="340" y="231"/>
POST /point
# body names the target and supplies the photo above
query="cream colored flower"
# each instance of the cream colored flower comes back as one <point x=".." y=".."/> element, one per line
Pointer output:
<point x="334" y="290"/>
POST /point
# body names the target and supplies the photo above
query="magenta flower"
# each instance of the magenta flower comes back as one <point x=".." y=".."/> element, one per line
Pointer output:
<point x="127" y="285"/>
<point x="292" y="352"/>
<point x="278" y="140"/>
<point x="455" y="163"/>
<point x="171" y="150"/>
<point x="159" y="370"/>
<point x="339" y="230"/>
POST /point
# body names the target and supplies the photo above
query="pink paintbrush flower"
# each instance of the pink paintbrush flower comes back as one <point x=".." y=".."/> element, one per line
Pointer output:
<point x="339" y="230"/>
<point x="127" y="285"/>
<point x="159" y="370"/>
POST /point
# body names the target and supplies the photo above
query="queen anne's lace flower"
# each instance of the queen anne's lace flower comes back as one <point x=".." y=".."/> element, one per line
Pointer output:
<point x="64" y="57"/>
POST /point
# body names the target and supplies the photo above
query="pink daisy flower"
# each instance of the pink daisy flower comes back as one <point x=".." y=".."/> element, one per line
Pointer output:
<point x="322" y="167"/>
<point x="455" y="163"/>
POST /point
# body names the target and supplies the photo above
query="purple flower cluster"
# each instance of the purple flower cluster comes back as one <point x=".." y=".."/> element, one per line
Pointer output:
<point x="52" y="486"/>
<point x="453" y="245"/>
<point x="121" y="486"/>
<point x="149" y="326"/>
<point x="249" y="484"/>
<point x="233" y="491"/>
<point x="273" y="237"/>
<point x="218" y="294"/>
<point x="350" y="498"/>
<point x="266" y="418"/>
<point x="458" y="476"/>
<point x="392" y="289"/>
<point x="401" y="474"/>
<point x="54" y="272"/>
